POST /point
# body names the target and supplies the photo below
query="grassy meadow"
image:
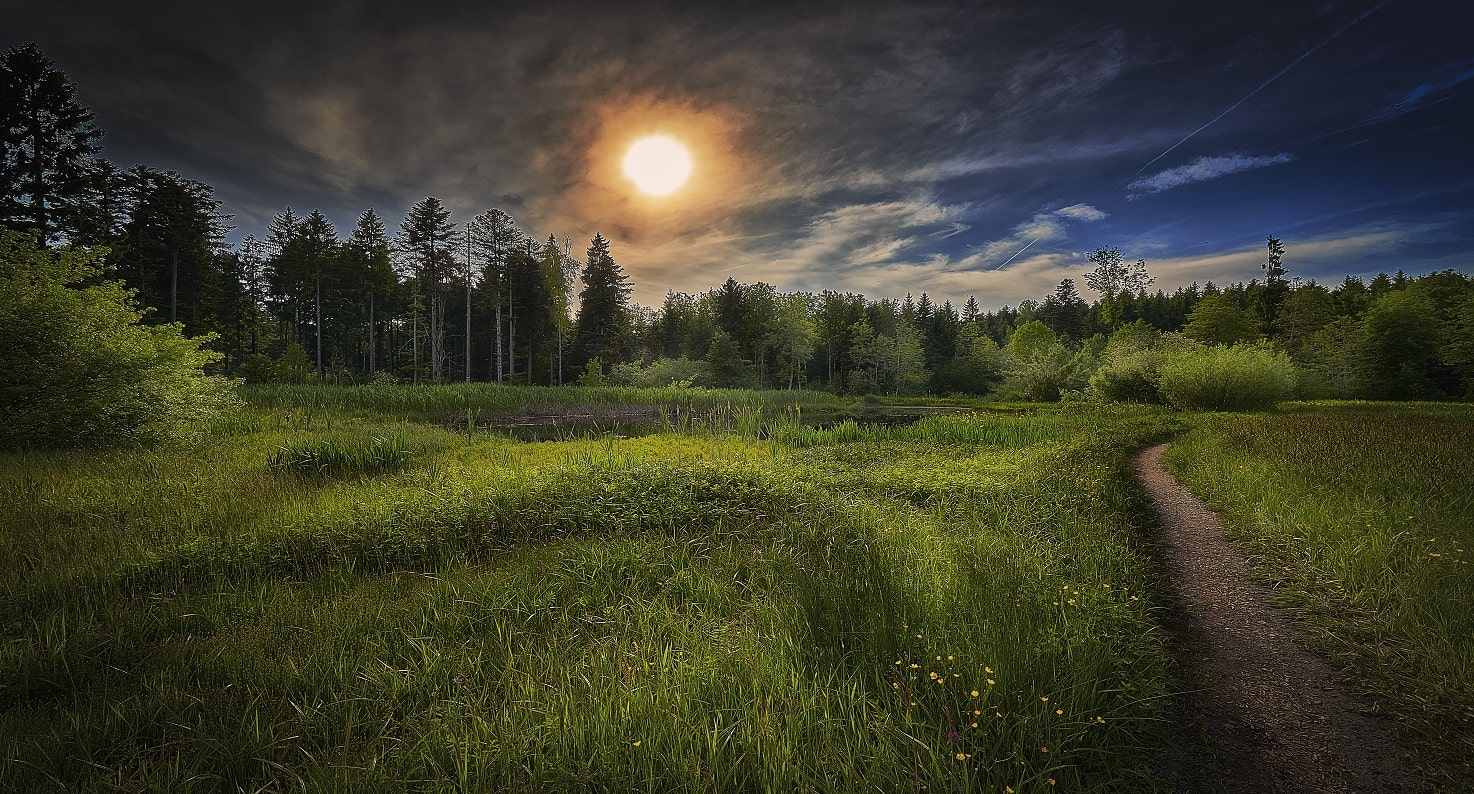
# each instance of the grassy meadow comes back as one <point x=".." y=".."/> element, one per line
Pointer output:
<point x="1362" y="516"/>
<point x="321" y="594"/>
<point x="381" y="588"/>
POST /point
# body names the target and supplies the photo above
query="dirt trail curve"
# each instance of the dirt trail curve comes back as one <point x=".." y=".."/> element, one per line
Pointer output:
<point x="1269" y="716"/>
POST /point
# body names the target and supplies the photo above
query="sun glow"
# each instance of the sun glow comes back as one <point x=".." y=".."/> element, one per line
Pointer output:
<point x="658" y="165"/>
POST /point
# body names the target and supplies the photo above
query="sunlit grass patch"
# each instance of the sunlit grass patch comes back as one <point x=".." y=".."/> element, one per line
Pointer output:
<point x="712" y="608"/>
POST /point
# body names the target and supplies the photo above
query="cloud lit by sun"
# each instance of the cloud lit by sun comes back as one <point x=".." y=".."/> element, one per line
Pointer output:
<point x="658" y="165"/>
<point x="655" y="168"/>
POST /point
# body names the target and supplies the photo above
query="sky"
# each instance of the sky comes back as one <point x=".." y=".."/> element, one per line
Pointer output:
<point x="958" y="149"/>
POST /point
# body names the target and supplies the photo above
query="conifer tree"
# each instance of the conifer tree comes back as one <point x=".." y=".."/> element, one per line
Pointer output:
<point x="48" y="143"/>
<point x="367" y="267"/>
<point x="603" y="305"/>
<point x="427" y="243"/>
<point x="492" y="238"/>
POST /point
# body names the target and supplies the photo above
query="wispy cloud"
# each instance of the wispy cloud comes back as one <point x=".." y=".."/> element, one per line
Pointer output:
<point x="1204" y="169"/>
<point x="1081" y="212"/>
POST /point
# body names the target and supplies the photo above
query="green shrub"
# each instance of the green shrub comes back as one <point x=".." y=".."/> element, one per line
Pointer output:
<point x="76" y="366"/>
<point x="1216" y="378"/>
<point x="1039" y="366"/>
<point x="679" y="372"/>
<point x="1130" y="377"/>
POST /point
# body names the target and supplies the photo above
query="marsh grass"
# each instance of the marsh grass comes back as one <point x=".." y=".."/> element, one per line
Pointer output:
<point x="1362" y="516"/>
<point x="445" y="404"/>
<point x="342" y="455"/>
<point x="736" y="603"/>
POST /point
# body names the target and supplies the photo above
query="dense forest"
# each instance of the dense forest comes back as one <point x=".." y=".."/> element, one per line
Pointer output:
<point x="437" y="300"/>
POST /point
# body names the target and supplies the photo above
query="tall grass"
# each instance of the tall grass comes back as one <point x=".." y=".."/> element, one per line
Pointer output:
<point x="445" y="403"/>
<point x="1363" y="517"/>
<point x="961" y="604"/>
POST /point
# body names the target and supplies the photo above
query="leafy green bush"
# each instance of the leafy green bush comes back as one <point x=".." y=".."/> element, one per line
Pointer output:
<point x="77" y="368"/>
<point x="1040" y="367"/>
<point x="1130" y="377"/>
<point x="679" y="372"/>
<point x="1216" y="378"/>
<point x="1130" y="369"/>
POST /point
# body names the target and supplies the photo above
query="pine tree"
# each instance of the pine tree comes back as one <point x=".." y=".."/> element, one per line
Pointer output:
<point x="367" y="266"/>
<point x="493" y="236"/>
<point x="319" y="241"/>
<point x="48" y="141"/>
<point x="167" y="247"/>
<point x="603" y="306"/>
<point x="282" y="271"/>
<point x="1275" y="284"/>
<point x="427" y="243"/>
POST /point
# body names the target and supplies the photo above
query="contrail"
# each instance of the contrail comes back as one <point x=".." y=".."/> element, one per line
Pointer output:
<point x="1277" y="75"/>
<point x="1020" y="251"/>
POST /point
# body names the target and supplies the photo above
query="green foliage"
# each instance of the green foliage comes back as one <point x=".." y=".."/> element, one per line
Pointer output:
<point x="79" y="369"/>
<point x="1219" y="320"/>
<point x="593" y="374"/>
<point x="1130" y="369"/>
<point x="1397" y="347"/>
<point x="292" y="367"/>
<point x="1360" y="514"/>
<point x="725" y="366"/>
<point x="1040" y="367"/>
<point x="1458" y="351"/>
<point x="679" y="372"/>
<point x="1129" y="376"/>
<point x="978" y="364"/>
<point x="1242" y="377"/>
<point x="48" y="141"/>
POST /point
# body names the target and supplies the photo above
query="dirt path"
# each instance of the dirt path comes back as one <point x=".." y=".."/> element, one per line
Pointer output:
<point x="1268" y="715"/>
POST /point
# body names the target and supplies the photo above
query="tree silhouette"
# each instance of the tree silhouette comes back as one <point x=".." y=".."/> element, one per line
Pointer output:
<point x="48" y="141"/>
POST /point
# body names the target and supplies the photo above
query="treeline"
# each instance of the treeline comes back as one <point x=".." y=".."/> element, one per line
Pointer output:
<point x="436" y="300"/>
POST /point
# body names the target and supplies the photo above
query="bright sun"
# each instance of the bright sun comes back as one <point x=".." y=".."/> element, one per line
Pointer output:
<point x="658" y="165"/>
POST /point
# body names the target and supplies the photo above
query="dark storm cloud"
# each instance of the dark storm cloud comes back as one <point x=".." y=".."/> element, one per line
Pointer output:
<point x="883" y="147"/>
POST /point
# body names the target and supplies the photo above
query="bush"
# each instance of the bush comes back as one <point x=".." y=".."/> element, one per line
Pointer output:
<point x="1129" y="377"/>
<point x="1238" y="378"/>
<point x="77" y="368"/>
<point x="661" y="373"/>
<point x="1039" y="367"/>
<point x="1131" y="363"/>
